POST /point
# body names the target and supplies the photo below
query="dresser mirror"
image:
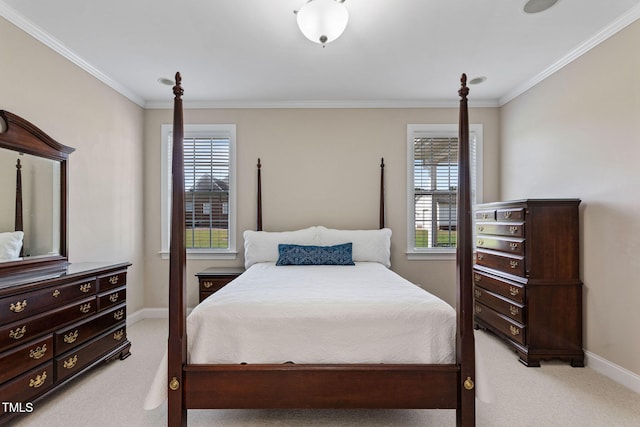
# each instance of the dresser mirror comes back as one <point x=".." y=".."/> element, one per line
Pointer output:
<point x="33" y="190"/>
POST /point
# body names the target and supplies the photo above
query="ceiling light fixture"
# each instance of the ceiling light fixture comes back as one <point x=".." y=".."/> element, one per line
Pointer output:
<point x="477" y="80"/>
<point x="537" y="6"/>
<point x="322" y="21"/>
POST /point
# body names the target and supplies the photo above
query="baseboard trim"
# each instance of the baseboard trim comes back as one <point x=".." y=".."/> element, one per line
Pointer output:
<point x="612" y="371"/>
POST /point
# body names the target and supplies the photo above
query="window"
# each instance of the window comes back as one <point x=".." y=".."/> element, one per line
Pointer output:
<point x="432" y="181"/>
<point x="209" y="181"/>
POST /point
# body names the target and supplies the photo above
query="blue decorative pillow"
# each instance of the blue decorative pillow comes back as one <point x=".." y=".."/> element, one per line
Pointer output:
<point x="314" y="255"/>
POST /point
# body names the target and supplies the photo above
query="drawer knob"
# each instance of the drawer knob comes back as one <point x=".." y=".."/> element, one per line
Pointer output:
<point x="38" y="380"/>
<point x="480" y="257"/>
<point x="480" y="242"/>
<point x="514" y="310"/>
<point x="513" y="264"/>
<point x="514" y="246"/>
<point x="113" y="297"/>
<point x="513" y="229"/>
<point x="38" y="352"/>
<point x="71" y="362"/>
<point x="513" y="290"/>
<point x="18" y="306"/>
<point x="118" y="315"/>
<point x="85" y="308"/>
<point x="515" y="331"/>
<point x="113" y="280"/>
<point x="468" y="384"/>
<point x="71" y="337"/>
<point x="56" y="293"/>
<point x="174" y="384"/>
<point x="118" y="335"/>
<point x="207" y="284"/>
<point x="85" y="288"/>
<point x="18" y="333"/>
<point x="480" y="228"/>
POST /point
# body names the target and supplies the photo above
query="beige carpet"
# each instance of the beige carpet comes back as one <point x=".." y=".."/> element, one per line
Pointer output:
<point x="553" y="395"/>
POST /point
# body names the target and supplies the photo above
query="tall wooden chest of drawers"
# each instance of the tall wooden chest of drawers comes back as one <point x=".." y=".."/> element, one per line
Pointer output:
<point x="56" y="324"/>
<point x="527" y="287"/>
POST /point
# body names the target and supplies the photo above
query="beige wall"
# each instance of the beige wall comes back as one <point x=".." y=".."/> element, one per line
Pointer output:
<point x="320" y="166"/>
<point x="105" y="171"/>
<point x="577" y="134"/>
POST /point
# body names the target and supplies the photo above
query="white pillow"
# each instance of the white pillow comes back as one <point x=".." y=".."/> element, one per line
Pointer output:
<point x="368" y="245"/>
<point x="262" y="246"/>
<point x="10" y="244"/>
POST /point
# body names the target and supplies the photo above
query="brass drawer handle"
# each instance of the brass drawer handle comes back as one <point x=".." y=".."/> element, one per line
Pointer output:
<point x="480" y="257"/>
<point x="118" y="315"/>
<point x="118" y="335"/>
<point x="18" y="306"/>
<point x="514" y="310"/>
<point x="71" y="337"/>
<point x="38" y="352"/>
<point x="513" y="264"/>
<point x="480" y="242"/>
<point x="71" y="362"/>
<point x="38" y="380"/>
<point x="85" y="308"/>
<point x="18" y="333"/>
<point x="514" y="330"/>
<point x="514" y="246"/>
<point x="513" y="229"/>
<point x="477" y="277"/>
<point x="477" y="293"/>
<point x="485" y="215"/>
<point x="513" y="290"/>
<point x="56" y="293"/>
<point x="85" y="288"/>
<point x="174" y="384"/>
<point x="113" y="280"/>
<point x="113" y="297"/>
<point x="207" y="284"/>
<point x="478" y="309"/>
<point x="507" y="214"/>
<point x="480" y="228"/>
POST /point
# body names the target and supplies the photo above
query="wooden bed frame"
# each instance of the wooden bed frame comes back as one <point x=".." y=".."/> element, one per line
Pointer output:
<point x="401" y="386"/>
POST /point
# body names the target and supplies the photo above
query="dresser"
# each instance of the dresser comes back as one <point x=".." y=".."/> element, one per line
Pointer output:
<point x="527" y="288"/>
<point x="213" y="279"/>
<point x="56" y="324"/>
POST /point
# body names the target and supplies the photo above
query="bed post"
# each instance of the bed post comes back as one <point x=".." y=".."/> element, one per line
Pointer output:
<point x="382" y="218"/>
<point x="465" y="344"/>
<point x="259" y="224"/>
<point x="177" y="352"/>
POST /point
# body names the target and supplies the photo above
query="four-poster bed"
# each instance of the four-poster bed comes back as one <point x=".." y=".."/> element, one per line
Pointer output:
<point x="308" y="385"/>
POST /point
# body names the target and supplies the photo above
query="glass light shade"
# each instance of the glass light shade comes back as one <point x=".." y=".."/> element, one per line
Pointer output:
<point x="322" y="21"/>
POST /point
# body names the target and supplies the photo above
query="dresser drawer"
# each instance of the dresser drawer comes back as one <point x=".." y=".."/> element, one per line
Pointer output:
<point x="19" y="332"/>
<point x="496" y="260"/>
<point x="113" y="280"/>
<point x="24" y="305"/>
<point x="27" y="386"/>
<point x="80" y="357"/>
<point x="112" y="298"/>
<point x="509" y="214"/>
<point x="511" y="246"/>
<point x="508" y="289"/>
<point x="80" y="332"/>
<point x="25" y="357"/>
<point x="501" y="305"/>
<point x="509" y="328"/>
<point x="485" y="215"/>
<point x="515" y="229"/>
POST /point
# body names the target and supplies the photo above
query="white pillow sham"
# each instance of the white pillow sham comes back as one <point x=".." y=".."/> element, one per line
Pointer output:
<point x="262" y="246"/>
<point x="10" y="244"/>
<point x="368" y="245"/>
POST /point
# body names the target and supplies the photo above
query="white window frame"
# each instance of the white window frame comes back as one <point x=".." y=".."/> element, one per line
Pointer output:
<point x="438" y="130"/>
<point x="194" y="131"/>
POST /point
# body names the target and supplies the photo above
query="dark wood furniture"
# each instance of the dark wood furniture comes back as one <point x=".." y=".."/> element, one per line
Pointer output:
<point x="527" y="285"/>
<point x="213" y="279"/>
<point x="446" y="386"/>
<point x="56" y="324"/>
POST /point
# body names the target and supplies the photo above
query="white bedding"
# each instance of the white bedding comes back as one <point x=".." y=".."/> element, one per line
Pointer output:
<point x="318" y="314"/>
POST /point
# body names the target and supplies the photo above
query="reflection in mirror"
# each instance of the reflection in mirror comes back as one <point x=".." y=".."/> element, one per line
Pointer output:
<point x="40" y="185"/>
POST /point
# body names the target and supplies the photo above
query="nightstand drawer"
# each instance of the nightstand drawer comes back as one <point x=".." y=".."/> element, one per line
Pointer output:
<point x="28" y="386"/>
<point x="25" y="357"/>
<point x="509" y="328"/>
<point x="213" y="279"/>
<point x="76" y="334"/>
<point x="508" y="289"/>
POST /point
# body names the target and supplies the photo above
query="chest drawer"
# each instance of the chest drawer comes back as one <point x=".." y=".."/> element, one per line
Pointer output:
<point x="112" y="298"/>
<point x="78" y="333"/>
<point x="30" y="303"/>
<point x="485" y="215"/>
<point x="501" y="305"/>
<point x="506" y="326"/>
<point x="510" y="214"/>
<point x="80" y="357"/>
<point x="113" y="280"/>
<point x="25" y="357"/>
<point x="508" y="289"/>
<point x="513" y="229"/>
<point x="16" y="333"/>
<point x="511" y="246"/>
<point x="509" y="264"/>
<point x="27" y="386"/>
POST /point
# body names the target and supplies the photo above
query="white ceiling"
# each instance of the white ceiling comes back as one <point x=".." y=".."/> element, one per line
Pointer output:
<point x="250" y="53"/>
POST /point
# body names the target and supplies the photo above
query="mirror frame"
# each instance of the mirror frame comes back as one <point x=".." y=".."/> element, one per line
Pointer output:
<point x="24" y="137"/>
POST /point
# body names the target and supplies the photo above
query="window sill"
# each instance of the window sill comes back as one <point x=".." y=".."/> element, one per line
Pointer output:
<point x="205" y="254"/>
<point x="448" y="254"/>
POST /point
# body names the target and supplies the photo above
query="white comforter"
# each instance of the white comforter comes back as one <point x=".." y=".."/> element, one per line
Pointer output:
<point x="319" y="314"/>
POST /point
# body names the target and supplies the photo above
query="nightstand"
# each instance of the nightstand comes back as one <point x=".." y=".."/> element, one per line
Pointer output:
<point x="213" y="279"/>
